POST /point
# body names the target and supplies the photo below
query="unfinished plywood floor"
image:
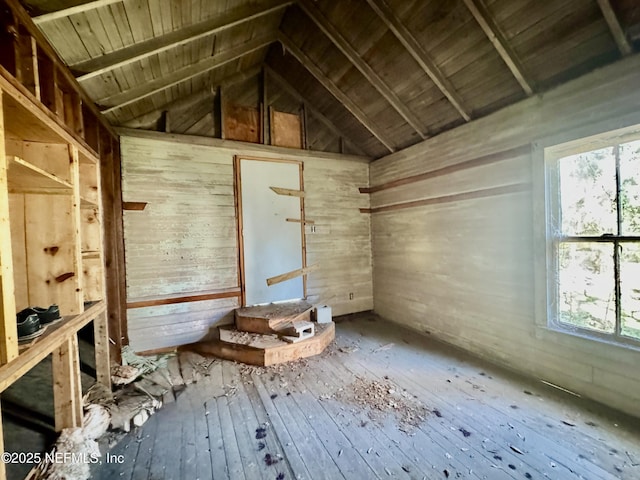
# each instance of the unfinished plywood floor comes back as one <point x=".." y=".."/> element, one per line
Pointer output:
<point x="311" y="420"/>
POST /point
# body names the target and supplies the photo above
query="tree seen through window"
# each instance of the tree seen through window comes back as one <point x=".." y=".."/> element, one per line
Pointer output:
<point x="598" y="243"/>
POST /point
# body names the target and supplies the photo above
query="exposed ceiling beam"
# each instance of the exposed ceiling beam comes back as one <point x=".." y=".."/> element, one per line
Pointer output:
<point x="616" y="29"/>
<point x="480" y="12"/>
<point x="328" y="84"/>
<point x="315" y="112"/>
<point x="420" y="55"/>
<point x="149" y="118"/>
<point x="135" y="94"/>
<point x="97" y="66"/>
<point x="186" y="103"/>
<point x="85" y="7"/>
<point x="372" y="77"/>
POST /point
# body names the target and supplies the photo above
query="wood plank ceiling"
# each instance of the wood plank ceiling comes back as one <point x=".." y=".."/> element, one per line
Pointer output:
<point x="374" y="75"/>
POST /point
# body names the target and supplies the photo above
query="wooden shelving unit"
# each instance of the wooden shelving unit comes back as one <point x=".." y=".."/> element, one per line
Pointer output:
<point x="23" y="177"/>
<point x="54" y="146"/>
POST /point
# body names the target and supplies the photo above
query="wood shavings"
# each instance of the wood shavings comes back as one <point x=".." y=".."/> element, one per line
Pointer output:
<point x="382" y="397"/>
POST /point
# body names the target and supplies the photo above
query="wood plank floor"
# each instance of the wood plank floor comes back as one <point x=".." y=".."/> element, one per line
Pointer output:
<point x="312" y="419"/>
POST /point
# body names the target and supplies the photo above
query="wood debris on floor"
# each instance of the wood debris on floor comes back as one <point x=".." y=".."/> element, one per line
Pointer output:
<point x="381" y="398"/>
<point x="142" y="388"/>
<point x="166" y="377"/>
<point x="313" y="419"/>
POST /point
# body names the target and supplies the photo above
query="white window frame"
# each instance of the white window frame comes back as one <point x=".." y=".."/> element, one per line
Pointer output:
<point x="545" y="155"/>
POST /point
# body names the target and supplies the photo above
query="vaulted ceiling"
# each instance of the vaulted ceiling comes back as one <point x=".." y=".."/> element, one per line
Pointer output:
<point x="377" y="75"/>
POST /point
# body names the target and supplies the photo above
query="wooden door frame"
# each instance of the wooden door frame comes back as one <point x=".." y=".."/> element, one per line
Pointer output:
<point x="237" y="192"/>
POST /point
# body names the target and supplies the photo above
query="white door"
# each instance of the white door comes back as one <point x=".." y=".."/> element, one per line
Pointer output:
<point x="272" y="245"/>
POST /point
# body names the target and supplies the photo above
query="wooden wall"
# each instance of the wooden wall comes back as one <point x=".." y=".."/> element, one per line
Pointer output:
<point x="184" y="242"/>
<point x="462" y="268"/>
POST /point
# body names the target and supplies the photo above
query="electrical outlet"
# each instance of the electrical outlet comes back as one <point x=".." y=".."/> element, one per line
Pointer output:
<point x="351" y="296"/>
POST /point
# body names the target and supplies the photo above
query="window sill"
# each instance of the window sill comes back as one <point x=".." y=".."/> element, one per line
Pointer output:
<point x="554" y="332"/>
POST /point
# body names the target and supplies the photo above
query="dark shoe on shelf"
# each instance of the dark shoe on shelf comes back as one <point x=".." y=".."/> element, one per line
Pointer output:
<point x="29" y="327"/>
<point x="46" y="315"/>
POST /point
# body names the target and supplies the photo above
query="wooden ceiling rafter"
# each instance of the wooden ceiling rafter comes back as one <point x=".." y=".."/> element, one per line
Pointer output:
<point x="333" y="89"/>
<point x="144" y="120"/>
<point x="85" y="7"/>
<point x="198" y="97"/>
<point x="419" y="54"/>
<point x="365" y="69"/>
<point x="133" y="95"/>
<point x="493" y="32"/>
<point x="615" y="27"/>
<point x="312" y="110"/>
<point x="119" y="58"/>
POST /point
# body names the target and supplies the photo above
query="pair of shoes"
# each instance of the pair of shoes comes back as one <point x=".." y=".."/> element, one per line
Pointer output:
<point x="29" y="327"/>
<point x="45" y="315"/>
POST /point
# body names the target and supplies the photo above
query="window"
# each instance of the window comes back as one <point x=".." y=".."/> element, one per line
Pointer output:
<point x="593" y="234"/>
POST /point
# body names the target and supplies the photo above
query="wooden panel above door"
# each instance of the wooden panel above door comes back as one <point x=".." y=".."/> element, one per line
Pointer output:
<point x="286" y="129"/>
<point x="241" y="123"/>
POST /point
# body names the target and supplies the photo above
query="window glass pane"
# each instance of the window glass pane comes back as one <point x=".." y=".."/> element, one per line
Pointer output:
<point x="588" y="193"/>
<point x="630" y="187"/>
<point x="630" y="290"/>
<point x="586" y="293"/>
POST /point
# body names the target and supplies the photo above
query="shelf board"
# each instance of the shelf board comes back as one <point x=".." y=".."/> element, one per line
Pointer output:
<point x="24" y="177"/>
<point x="46" y="343"/>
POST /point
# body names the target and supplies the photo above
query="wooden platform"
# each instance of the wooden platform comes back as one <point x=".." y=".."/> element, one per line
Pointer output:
<point x="483" y="422"/>
<point x="264" y="350"/>
<point x="266" y="318"/>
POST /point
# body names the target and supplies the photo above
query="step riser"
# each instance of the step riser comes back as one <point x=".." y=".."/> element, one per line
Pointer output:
<point x="283" y="352"/>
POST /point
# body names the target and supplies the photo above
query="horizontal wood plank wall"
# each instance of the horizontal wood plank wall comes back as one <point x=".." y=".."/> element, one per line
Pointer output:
<point x="339" y="241"/>
<point x="183" y="244"/>
<point x="463" y="270"/>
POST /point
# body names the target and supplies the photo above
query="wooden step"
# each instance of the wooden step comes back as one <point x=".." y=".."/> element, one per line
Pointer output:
<point x="267" y="319"/>
<point x="265" y="350"/>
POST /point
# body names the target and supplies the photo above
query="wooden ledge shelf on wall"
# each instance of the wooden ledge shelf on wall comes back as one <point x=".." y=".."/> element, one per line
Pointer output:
<point x="195" y="297"/>
<point x="288" y="192"/>
<point x="489" y="159"/>
<point x="134" y="206"/>
<point x="457" y="197"/>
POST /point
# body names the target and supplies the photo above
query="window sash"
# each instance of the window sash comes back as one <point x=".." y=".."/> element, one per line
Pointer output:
<point x="553" y="220"/>
<point x="615" y="239"/>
